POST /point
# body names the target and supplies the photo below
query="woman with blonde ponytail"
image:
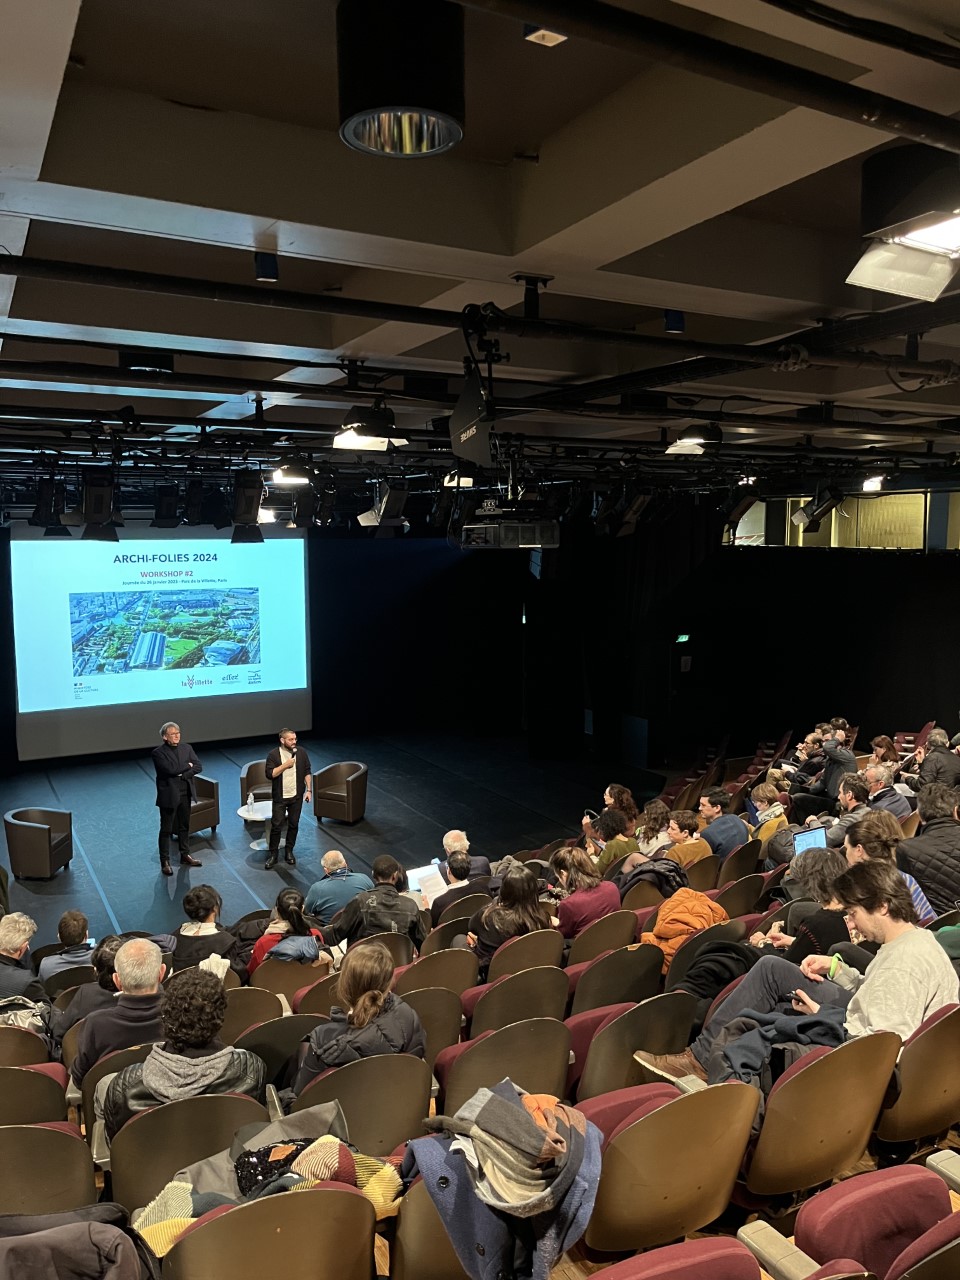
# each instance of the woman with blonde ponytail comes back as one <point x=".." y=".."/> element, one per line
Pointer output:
<point x="367" y="1020"/>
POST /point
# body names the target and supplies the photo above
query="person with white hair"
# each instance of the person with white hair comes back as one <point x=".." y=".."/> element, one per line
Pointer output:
<point x="176" y="766"/>
<point x="336" y="887"/>
<point x="881" y="792"/>
<point x="134" y="1016"/>
<point x="16" y="976"/>
<point x="456" y="842"/>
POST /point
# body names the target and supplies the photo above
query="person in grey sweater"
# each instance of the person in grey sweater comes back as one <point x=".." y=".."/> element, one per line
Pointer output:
<point x="910" y="978"/>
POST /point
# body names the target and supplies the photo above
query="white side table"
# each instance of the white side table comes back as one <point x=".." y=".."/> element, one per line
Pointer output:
<point x="260" y="811"/>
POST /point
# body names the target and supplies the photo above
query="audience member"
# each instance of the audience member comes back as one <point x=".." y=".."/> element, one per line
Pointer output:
<point x="92" y="996"/>
<point x="190" y="1061"/>
<point x="518" y="911"/>
<point x="851" y="807"/>
<point x="76" y="950"/>
<point x="287" y="921"/>
<point x="875" y="838"/>
<point x="588" y="896"/>
<point x="16" y="976"/>
<point x="820" y="795"/>
<point x="770" y="815"/>
<point x="367" y="1021"/>
<point x="382" y="910"/>
<point x="201" y="936"/>
<point x="938" y="764"/>
<point x="686" y="845"/>
<point x="458" y="877"/>
<point x="335" y="888"/>
<point x="614" y="797"/>
<point x="881" y="792"/>
<point x="910" y="978"/>
<point x="612" y="840"/>
<point x="809" y="759"/>
<point x="652" y="832"/>
<point x="134" y="1017"/>
<point x="884" y="751"/>
<point x="933" y="856"/>
<point x="814" y="872"/>
<point x="724" y="831"/>
<point x="457" y="842"/>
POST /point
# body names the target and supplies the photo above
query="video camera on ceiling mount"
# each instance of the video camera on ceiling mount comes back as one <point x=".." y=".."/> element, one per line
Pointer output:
<point x="510" y="526"/>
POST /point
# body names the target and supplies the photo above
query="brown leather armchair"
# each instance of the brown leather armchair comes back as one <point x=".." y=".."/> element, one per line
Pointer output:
<point x="39" y="841"/>
<point x="253" y="777"/>
<point x="205" y="810"/>
<point x="340" y="791"/>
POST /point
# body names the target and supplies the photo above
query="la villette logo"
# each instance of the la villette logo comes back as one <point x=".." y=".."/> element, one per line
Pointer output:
<point x="192" y="682"/>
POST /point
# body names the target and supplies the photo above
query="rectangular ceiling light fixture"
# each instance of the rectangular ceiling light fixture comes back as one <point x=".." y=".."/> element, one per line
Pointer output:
<point x="541" y="35"/>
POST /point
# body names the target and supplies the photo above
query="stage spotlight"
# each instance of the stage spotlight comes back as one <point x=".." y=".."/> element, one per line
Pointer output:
<point x="166" y="499"/>
<point x="243" y="533"/>
<point x="51" y="504"/>
<point x="306" y="504"/>
<point x="97" y="500"/>
<point x="100" y="533"/>
<point x="810" y="515"/>
<point x="873" y="484"/>
<point x="691" y="440"/>
<point x="266" y="268"/>
<point x="193" y="502"/>
<point x="401" y="76"/>
<point x="369" y="428"/>
<point x="674" y="321"/>
<point x="248" y="493"/>
<point x="214" y="508"/>
<point x="295" y="471"/>
<point x="458" y="478"/>
<point x="386" y="515"/>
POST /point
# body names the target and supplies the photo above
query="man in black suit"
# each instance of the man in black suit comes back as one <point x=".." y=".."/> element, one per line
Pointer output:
<point x="288" y="768"/>
<point x="177" y="766"/>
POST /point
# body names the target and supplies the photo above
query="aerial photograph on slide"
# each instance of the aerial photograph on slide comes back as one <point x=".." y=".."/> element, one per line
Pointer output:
<point x="164" y="630"/>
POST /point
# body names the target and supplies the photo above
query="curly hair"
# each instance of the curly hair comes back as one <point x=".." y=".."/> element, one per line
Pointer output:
<point x="611" y="823"/>
<point x="656" y="815"/>
<point x="192" y="1010"/>
<point x="623" y="800"/>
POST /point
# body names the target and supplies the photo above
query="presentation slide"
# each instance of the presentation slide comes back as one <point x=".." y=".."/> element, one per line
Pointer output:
<point x="177" y="618"/>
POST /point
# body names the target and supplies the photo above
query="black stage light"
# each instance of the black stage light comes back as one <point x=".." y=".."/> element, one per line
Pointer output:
<point x="248" y="493"/>
<point x="266" y="268"/>
<point x="166" y="499"/>
<point x="246" y="533"/>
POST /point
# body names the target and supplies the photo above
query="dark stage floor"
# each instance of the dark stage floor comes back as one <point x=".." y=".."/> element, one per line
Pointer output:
<point x="419" y="788"/>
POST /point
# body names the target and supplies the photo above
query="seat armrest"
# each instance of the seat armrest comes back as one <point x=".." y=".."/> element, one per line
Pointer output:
<point x="778" y="1256"/>
<point x="274" y="1105"/>
<point x="946" y="1164"/>
<point x="99" y="1147"/>
<point x="691" y="1084"/>
<point x="74" y="1096"/>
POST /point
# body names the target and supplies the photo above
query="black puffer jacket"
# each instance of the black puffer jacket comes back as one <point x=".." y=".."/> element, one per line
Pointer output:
<point x="396" y="1029"/>
<point x="933" y="859"/>
<point x="939" y="765"/>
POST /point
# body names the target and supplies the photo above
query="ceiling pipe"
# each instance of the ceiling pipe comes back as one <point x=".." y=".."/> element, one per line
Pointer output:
<point x="707" y="56"/>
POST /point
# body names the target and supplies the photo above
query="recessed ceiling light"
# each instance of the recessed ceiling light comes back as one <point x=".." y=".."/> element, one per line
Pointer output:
<point x="541" y="35"/>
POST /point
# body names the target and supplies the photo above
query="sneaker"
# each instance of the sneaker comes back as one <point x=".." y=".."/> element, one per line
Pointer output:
<point x="671" y="1066"/>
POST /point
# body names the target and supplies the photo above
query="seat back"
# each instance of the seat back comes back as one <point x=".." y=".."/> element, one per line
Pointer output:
<point x="259" y="914"/>
<point x="326" y="1234"/>
<point x="545" y="946"/>
<point x="742" y="862"/>
<point x="618" y="929"/>
<point x="948" y="919"/>
<point x="615" y="867"/>
<point x="830" y="1139"/>
<point x="44" y="1170"/>
<point x="384" y="1100"/>
<point x="702" y="875"/>
<point x="454" y="969"/>
<point x="320" y="997"/>
<point x="642" y="895"/>
<point x="245" y="1007"/>
<point x="672" y="1171"/>
<point x="277" y="1041"/>
<point x="71" y="1043"/>
<point x="421" y="1248"/>
<point x="253" y="777"/>
<point x="110" y="1064"/>
<point x="400" y="945"/>
<point x="77" y="976"/>
<point x="30" y="1097"/>
<point x="534" y="1054"/>
<point x="610" y="1062"/>
<point x="663" y="1023"/>
<point x="910" y="825"/>
<point x="929" y="1101"/>
<point x="543" y="989"/>
<point x="441" y="938"/>
<point x="19" y="1047"/>
<point x="154" y="1144"/>
<point x="630" y="974"/>
<point x="285" y="977"/>
<point x="440" y="1014"/>
<point x="463" y="908"/>
<point x="740" y="896"/>
<point x="729" y="931"/>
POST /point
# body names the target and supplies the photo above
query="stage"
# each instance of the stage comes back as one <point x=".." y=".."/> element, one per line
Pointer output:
<point x="419" y="787"/>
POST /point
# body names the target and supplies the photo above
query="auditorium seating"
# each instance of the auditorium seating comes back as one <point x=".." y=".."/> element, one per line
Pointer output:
<point x="39" y="841"/>
<point x="384" y="1100"/>
<point x="440" y="1016"/>
<point x="44" y="1170"/>
<point x="627" y="974"/>
<point x="533" y="1053"/>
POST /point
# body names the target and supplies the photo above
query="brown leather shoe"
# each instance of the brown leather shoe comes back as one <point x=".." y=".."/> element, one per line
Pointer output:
<point x="187" y="861"/>
<point x="671" y="1066"/>
<point x="166" y="869"/>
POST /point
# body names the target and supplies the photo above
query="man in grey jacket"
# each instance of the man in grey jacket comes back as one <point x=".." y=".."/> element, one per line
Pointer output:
<point x="852" y="806"/>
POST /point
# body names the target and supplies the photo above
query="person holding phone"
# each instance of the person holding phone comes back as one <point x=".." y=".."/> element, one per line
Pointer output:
<point x="910" y="978"/>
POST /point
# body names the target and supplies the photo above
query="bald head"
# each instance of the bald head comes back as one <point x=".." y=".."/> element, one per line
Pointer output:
<point x="333" y="861"/>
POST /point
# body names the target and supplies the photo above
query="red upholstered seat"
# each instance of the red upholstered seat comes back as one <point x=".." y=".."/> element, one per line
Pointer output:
<point x="938" y="1237"/>
<point x="612" y="1112"/>
<point x="447" y="1057"/>
<point x="820" y="1051"/>
<point x="64" y="1126"/>
<point x="469" y="998"/>
<point x="717" y="1259"/>
<point x="55" y="1070"/>
<point x="874" y="1218"/>
<point x="583" y="1027"/>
